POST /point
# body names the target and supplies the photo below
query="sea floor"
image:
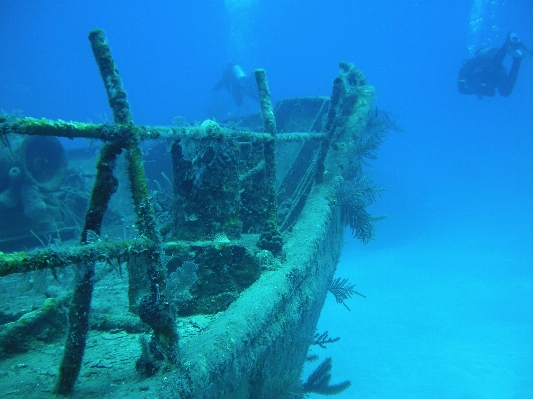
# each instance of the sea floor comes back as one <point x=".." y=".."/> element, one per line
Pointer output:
<point x="448" y="314"/>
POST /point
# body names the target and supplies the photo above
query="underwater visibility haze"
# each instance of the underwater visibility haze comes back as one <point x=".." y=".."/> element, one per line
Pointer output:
<point x="436" y="282"/>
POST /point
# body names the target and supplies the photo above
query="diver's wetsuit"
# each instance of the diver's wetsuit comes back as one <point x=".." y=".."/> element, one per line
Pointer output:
<point x="484" y="73"/>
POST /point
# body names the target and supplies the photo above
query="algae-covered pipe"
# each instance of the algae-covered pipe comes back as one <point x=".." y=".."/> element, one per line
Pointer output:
<point x="114" y="132"/>
<point x="269" y="149"/>
<point x="78" y="315"/>
<point x="110" y="76"/>
<point x="329" y="129"/>
<point x="104" y="187"/>
<point x="154" y="309"/>
<point x="57" y="258"/>
<point x="270" y="237"/>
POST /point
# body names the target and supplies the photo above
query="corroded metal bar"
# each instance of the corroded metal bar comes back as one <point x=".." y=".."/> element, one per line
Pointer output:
<point x="59" y="257"/>
<point x="153" y="309"/>
<point x="105" y="185"/>
<point x="114" y="132"/>
<point x="110" y="76"/>
<point x="270" y="238"/>
<point x="23" y="327"/>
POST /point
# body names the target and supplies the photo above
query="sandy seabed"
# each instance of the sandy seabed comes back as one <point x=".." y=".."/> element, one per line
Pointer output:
<point x="447" y="315"/>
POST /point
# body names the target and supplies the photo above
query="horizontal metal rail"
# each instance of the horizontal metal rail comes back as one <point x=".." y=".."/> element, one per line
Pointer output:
<point x="58" y="257"/>
<point x="113" y="132"/>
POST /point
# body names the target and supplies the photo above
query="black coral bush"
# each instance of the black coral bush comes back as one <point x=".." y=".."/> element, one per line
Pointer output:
<point x="353" y="196"/>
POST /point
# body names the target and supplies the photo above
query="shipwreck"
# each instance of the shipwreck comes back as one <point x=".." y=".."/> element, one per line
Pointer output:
<point x="221" y="268"/>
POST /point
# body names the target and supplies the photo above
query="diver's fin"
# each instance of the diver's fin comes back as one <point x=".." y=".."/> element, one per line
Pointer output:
<point x="524" y="52"/>
<point x="519" y="51"/>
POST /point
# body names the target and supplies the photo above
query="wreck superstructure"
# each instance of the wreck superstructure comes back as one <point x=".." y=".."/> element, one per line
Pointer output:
<point x="247" y="237"/>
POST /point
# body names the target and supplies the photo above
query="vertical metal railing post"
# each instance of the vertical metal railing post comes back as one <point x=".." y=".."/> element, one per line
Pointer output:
<point x="270" y="237"/>
<point x="104" y="186"/>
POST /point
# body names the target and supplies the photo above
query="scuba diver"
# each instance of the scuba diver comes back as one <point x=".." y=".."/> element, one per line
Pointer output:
<point x="485" y="72"/>
<point x="238" y="84"/>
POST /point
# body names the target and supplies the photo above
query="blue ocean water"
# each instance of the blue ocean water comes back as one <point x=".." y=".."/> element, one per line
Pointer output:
<point x="449" y="277"/>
